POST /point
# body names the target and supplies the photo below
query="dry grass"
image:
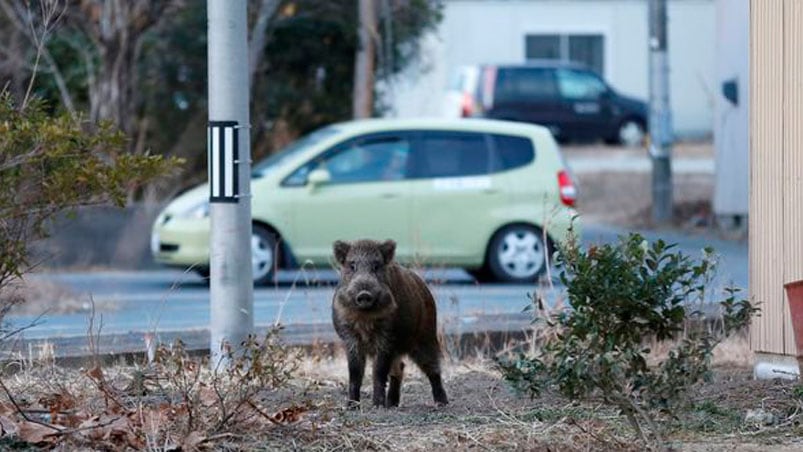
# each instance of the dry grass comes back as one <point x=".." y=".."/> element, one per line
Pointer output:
<point x="625" y="199"/>
<point x="307" y="412"/>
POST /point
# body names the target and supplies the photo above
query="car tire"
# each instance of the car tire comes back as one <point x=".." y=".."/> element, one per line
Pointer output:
<point x="631" y="133"/>
<point x="481" y="275"/>
<point x="517" y="254"/>
<point x="263" y="255"/>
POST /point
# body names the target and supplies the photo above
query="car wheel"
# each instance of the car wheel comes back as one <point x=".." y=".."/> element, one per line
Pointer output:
<point x="630" y="133"/>
<point x="481" y="275"/>
<point x="263" y="254"/>
<point x="517" y="254"/>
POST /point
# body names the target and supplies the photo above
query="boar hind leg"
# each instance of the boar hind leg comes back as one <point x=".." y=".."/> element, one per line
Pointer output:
<point x="396" y="377"/>
<point x="356" y="359"/>
<point x="429" y="362"/>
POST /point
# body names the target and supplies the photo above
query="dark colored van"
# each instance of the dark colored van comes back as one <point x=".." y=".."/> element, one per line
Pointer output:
<point x="569" y="99"/>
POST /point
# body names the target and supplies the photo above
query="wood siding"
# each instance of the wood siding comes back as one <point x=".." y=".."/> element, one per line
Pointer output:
<point x="776" y="167"/>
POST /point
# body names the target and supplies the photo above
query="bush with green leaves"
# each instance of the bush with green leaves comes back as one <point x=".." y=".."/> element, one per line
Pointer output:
<point x="622" y="297"/>
<point x="53" y="164"/>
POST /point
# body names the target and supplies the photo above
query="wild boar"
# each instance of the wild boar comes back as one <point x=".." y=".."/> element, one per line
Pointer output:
<point x="384" y="311"/>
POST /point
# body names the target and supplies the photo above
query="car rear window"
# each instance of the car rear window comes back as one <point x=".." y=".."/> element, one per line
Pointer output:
<point x="450" y="154"/>
<point x="511" y="152"/>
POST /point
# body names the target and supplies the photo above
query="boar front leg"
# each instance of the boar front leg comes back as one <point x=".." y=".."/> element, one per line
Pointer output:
<point x="356" y="359"/>
<point x="382" y="366"/>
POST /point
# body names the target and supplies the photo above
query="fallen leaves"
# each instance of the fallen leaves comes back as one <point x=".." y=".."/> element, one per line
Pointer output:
<point x="176" y="402"/>
<point x="36" y="433"/>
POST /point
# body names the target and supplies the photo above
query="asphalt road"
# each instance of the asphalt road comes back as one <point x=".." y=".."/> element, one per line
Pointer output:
<point x="172" y="304"/>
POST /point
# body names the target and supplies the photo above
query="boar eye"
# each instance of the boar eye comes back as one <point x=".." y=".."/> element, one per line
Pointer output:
<point x="376" y="266"/>
<point x="353" y="266"/>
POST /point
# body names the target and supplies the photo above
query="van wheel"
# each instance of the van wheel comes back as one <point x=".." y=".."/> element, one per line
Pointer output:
<point x="263" y="254"/>
<point x="630" y="133"/>
<point x="517" y="254"/>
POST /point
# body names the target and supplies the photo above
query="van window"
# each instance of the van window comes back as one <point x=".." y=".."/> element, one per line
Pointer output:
<point x="511" y="152"/>
<point x="450" y="154"/>
<point x="580" y="85"/>
<point x="524" y="85"/>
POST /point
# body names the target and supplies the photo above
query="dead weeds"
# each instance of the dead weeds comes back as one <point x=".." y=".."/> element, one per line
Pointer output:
<point x="164" y="406"/>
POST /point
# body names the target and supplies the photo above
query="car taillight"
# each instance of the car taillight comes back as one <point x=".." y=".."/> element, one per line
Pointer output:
<point x="467" y="106"/>
<point x="566" y="188"/>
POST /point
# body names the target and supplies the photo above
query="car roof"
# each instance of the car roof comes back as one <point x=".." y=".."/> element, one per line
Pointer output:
<point x="458" y="124"/>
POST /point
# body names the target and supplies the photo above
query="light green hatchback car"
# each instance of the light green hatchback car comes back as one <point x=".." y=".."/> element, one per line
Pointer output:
<point x="489" y="196"/>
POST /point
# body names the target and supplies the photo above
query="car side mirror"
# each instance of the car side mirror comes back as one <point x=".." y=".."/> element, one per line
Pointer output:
<point x="318" y="177"/>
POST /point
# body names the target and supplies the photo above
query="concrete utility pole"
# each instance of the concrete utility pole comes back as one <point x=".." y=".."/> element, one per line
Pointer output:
<point x="229" y="145"/>
<point x="660" y="114"/>
<point x="363" y="106"/>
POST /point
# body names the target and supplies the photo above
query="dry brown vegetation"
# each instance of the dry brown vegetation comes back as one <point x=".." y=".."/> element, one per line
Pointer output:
<point x="177" y="403"/>
<point x="624" y="198"/>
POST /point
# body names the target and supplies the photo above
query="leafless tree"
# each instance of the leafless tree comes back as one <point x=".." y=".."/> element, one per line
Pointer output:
<point x="363" y="106"/>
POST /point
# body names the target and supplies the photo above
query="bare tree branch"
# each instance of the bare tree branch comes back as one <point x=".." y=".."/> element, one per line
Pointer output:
<point x="256" y="49"/>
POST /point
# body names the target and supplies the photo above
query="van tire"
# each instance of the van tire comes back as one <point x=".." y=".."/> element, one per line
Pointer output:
<point x="630" y="133"/>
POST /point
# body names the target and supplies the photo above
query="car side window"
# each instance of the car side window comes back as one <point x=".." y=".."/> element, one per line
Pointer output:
<point x="362" y="160"/>
<point x="524" y="85"/>
<point x="511" y="152"/>
<point x="580" y="85"/>
<point x="450" y="154"/>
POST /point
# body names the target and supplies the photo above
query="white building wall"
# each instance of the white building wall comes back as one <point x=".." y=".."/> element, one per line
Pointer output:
<point x="493" y="31"/>
<point x="731" y="122"/>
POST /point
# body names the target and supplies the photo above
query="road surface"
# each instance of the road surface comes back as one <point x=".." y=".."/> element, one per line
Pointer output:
<point x="171" y="303"/>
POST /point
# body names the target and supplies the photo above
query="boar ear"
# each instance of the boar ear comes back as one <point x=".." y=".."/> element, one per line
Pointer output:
<point x="341" y="250"/>
<point x="388" y="249"/>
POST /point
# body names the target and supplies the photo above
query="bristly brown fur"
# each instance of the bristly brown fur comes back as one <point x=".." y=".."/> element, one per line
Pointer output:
<point x="384" y="311"/>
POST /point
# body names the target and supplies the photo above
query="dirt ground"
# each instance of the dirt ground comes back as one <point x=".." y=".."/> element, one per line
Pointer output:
<point x="732" y="412"/>
<point x="624" y="198"/>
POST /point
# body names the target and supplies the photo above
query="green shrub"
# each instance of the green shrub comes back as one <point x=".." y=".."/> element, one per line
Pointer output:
<point x="623" y="296"/>
<point x="53" y="164"/>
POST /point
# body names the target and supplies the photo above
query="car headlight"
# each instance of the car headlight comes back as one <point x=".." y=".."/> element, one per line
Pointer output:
<point x="198" y="211"/>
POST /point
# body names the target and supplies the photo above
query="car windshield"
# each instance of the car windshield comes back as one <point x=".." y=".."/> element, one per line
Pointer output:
<point x="266" y="165"/>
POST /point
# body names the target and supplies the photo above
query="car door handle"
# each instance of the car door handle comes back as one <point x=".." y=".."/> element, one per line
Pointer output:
<point x="389" y="195"/>
<point x="490" y="191"/>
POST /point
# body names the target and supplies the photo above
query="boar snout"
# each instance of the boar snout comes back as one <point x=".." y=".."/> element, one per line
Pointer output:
<point x="364" y="299"/>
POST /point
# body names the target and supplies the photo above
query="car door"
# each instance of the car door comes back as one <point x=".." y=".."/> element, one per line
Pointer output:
<point x="453" y="197"/>
<point x="585" y="103"/>
<point x="366" y="196"/>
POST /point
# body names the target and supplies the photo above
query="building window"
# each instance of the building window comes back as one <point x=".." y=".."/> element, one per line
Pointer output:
<point x="586" y="49"/>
